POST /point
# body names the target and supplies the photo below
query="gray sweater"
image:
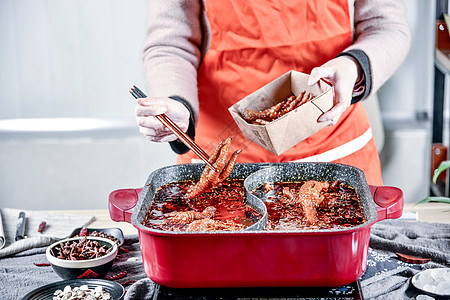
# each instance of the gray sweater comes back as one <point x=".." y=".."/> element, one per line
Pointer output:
<point x="178" y="36"/>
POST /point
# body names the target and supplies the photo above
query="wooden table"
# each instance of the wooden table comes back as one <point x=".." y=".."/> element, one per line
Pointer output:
<point x="429" y="212"/>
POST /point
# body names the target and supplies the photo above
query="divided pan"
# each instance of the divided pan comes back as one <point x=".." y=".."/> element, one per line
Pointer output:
<point x="256" y="257"/>
<point x="177" y="173"/>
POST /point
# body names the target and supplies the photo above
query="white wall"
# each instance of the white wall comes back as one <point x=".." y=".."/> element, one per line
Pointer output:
<point x="70" y="58"/>
<point x="77" y="59"/>
<point x="62" y="59"/>
<point x="76" y="172"/>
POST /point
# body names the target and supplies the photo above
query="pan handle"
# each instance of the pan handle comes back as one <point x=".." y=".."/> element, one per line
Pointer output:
<point x="121" y="204"/>
<point x="389" y="201"/>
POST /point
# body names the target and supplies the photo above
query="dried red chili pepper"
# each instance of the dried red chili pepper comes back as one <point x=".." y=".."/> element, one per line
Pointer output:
<point x="124" y="250"/>
<point x="42" y="226"/>
<point x="127" y="282"/>
<point x="117" y="276"/>
<point x="83" y="232"/>
<point x="41" y="264"/>
<point x="82" y="250"/>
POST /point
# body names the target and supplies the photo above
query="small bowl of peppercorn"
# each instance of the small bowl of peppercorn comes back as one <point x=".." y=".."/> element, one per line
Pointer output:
<point x="82" y="257"/>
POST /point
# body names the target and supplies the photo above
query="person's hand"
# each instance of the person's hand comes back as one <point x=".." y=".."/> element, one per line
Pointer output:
<point x="151" y="127"/>
<point x="341" y="73"/>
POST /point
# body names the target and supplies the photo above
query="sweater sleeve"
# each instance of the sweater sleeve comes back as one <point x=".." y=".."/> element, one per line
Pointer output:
<point x="381" y="32"/>
<point x="178" y="146"/>
<point x="172" y="49"/>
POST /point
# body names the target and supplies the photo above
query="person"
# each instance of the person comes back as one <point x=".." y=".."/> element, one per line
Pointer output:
<point x="201" y="57"/>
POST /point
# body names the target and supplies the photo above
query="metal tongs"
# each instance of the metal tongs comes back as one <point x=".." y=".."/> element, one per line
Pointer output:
<point x="137" y="93"/>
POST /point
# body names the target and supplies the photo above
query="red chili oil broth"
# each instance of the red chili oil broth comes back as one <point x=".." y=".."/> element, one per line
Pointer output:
<point x="341" y="208"/>
<point x="228" y="198"/>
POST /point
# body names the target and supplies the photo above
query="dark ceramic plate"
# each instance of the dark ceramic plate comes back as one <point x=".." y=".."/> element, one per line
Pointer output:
<point x="46" y="292"/>
<point x="115" y="232"/>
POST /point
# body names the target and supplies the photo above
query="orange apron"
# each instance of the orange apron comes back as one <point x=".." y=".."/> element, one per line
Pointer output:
<point x="252" y="43"/>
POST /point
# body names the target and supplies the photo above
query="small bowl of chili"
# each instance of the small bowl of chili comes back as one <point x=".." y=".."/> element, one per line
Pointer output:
<point x="82" y="257"/>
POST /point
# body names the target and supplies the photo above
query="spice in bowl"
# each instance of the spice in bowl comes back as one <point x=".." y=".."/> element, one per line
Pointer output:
<point x="82" y="257"/>
<point x="114" y="234"/>
<point x="80" y="249"/>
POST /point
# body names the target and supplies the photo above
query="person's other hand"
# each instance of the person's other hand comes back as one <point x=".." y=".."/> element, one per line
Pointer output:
<point x="341" y="73"/>
<point x="148" y="108"/>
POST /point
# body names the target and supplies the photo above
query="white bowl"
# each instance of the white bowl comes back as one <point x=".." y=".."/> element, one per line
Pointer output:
<point x="88" y="268"/>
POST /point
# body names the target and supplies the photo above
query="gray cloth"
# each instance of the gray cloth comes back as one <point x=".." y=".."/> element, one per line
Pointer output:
<point x="2" y="233"/>
<point x="19" y="275"/>
<point x="423" y="239"/>
<point x="58" y="226"/>
<point x="392" y="284"/>
<point x="142" y="289"/>
<point x="387" y="277"/>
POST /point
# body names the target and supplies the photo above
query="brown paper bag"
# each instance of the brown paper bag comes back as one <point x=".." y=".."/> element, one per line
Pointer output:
<point x="285" y="132"/>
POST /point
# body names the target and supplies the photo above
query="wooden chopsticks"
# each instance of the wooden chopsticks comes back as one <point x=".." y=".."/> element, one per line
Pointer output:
<point x="137" y="93"/>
